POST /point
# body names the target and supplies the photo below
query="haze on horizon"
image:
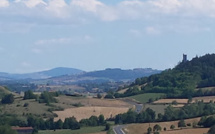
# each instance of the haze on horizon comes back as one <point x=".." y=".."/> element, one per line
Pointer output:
<point x="92" y="35"/>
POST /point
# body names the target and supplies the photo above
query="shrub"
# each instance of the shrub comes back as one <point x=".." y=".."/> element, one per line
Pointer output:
<point x="157" y="128"/>
<point x="26" y="105"/>
<point x="7" y="99"/>
<point x="181" y="123"/>
<point x="107" y="126"/>
<point x="172" y="127"/>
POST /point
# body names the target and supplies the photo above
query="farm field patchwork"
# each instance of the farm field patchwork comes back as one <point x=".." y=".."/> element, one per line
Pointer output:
<point x="86" y="112"/>
<point x="205" y="99"/>
<point x="142" y="128"/>
<point x="68" y="101"/>
<point x="187" y="131"/>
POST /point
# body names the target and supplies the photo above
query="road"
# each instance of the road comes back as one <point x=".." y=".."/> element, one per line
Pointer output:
<point x="118" y="129"/>
<point x="138" y="108"/>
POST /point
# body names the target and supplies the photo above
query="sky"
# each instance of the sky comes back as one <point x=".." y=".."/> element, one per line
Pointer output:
<point x="93" y="35"/>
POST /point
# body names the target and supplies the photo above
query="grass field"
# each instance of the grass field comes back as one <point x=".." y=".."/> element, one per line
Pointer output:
<point x="33" y="107"/>
<point x="144" y="98"/>
<point x="84" y="130"/>
<point x="156" y="108"/>
<point x="3" y="91"/>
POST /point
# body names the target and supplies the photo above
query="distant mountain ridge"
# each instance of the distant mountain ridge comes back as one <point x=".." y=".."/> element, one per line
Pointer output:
<point x="118" y="74"/>
<point x="42" y="74"/>
<point x="62" y="75"/>
<point x="107" y="75"/>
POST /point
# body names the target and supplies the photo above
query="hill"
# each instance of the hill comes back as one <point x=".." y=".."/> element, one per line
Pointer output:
<point x="185" y="80"/>
<point x="3" y="91"/>
<point x="42" y="75"/>
<point x="104" y="76"/>
<point x="118" y="74"/>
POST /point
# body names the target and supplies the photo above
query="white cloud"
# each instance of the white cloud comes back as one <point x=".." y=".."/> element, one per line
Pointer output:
<point x="25" y="64"/>
<point x="54" y="41"/>
<point x="89" y="5"/>
<point x="167" y="6"/>
<point x="128" y="9"/>
<point x="61" y="41"/>
<point x="31" y="3"/>
<point x="58" y="8"/>
<point x="135" y="32"/>
<point x="54" y="12"/>
<point x="36" y="50"/>
<point x="152" y="30"/>
<point x="4" y="3"/>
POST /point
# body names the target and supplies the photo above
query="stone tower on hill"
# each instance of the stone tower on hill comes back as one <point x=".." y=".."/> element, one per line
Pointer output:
<point x="184" y="58"/>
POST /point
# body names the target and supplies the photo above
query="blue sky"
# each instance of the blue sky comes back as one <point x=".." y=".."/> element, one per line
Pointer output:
<point x="97" y="34"/>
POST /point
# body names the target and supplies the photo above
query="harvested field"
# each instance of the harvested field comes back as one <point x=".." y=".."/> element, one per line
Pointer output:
<point x="86" y="112"/>
<point x="169" y="101"/>
<point x="142" y="128"/>
<point x="187" y="131"/>
<point x="123" y="91"/>
<point x="206" y="99"/>
<point x="68" y="101"/>
<point x="178" y="106"/>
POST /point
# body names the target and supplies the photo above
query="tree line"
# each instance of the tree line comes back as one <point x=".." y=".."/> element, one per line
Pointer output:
<point x="188" y="111"/>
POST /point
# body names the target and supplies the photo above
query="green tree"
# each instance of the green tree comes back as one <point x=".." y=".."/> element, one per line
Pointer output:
<point x="181" y="123"/>
<point x="59" y="124"/>
<point x="107" y="126"/>
<point x="149" y="130"/>
<point x="7" y="99"/>
<point x="101" y="119"/>
<point x="172" y="127"/>
<point x="212" y="130"/>
<point x="29" y="95"/>
<point x="99" y="96"/>
<point x="157" y="128"/>
<point x="150" y="100"/>
<point x="174" y="102"/>
<point x="7" y="130"/>
<point x="47" y="97"/>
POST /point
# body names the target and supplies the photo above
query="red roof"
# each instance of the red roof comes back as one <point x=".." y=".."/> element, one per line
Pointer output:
<point x="22" y="128"/>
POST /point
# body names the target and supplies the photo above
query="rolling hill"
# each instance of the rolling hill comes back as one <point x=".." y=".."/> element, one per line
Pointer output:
<point x="42" y="75"/>
<point x="107" y="75"/>
<point x="185" y="80"/>
<point x="3" y="91"/>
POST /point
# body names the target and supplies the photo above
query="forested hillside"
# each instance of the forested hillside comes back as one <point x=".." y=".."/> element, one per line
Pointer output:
<point x="185" y="80"/>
